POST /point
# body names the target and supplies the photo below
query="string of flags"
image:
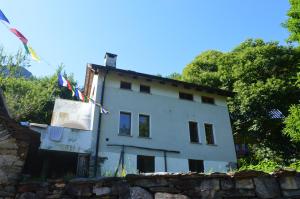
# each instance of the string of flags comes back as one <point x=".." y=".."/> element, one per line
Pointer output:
<point x="63" y="82"/>
<point x="20" y="36"/>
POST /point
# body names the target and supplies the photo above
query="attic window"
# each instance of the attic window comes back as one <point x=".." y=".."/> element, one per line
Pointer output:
<point x="125" y="85"/>
<point x="144" y="89"/>
<point x="208" y="100"/>
<point x="186" y="96"/>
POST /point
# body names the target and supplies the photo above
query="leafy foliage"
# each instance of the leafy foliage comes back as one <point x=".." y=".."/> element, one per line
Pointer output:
<point x="293" y="22"/>
<point x="29" y="99"/>
<point x="292" y="122"/>
<point x="263" y="77"/>
<point x="175" y="76"/>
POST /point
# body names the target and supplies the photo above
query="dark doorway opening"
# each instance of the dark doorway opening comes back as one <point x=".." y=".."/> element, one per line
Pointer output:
<point x="145" y="164"/>
<point x="56" y="164"/>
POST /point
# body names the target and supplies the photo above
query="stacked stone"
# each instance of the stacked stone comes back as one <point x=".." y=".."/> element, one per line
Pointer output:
<point x="240" y="185"/>
<point x="11" y="162"/>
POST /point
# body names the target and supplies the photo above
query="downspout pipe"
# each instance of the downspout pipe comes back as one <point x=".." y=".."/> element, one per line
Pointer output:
<point x="99" y="127"/>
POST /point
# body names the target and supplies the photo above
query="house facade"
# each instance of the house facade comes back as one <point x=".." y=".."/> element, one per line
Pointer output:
<point x="157" y="124"/>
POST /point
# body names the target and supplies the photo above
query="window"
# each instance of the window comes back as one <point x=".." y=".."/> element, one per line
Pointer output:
<point x="145" y="164"/>
<point x="208" y="100"/>
<point x="193" y="132"/>
<point x="196" y="166"/>
<point x="125" y="85"/>
<point x="144" y="125"/>
<point x="209" y="134"/>
<point x="144" y="89"/>
<point x="186" y="96"/>
<point x="125" y="123"/>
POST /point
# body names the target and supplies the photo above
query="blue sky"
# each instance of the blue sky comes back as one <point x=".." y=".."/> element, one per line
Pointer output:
<point x="149" y="36"/>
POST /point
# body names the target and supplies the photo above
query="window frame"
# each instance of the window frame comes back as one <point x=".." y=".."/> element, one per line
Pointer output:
<point x="213" y="133"/>
<point x="143" y="85"/>
<point x="144" y="114"/>
<point x="137" y="164"/>
<point x="184" y="93"/>
<point x="126" y="83"/>
<point x="198" y="137"/>
<point x="207" y="97"/>
<point x="130" y="131"/>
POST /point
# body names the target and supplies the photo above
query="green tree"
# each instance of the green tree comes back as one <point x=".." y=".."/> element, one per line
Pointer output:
<point x="262" y="75"/>
<point x="292" y="122"/>
<point x="175" y="76"/>
<point x="293" y="22"/>
<point x="30" y="99"/>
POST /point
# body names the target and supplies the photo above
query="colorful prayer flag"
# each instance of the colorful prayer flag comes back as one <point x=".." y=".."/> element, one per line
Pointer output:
<point x="73" y="92"/>
<point x="3" y="17"/>
<point x="33" y="54"/>
<point x="26" y="48"/>
<point x="78" y="94"/>
<point x="69" y="86"/>
<point x="62" y="81"/>
<point x="19" y="35"/>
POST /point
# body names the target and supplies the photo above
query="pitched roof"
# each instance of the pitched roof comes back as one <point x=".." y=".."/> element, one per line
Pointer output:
<point x="94" y="68"/>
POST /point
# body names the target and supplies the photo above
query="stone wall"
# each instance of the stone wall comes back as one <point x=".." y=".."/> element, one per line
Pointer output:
<point x="240" y="185"/>
<point x="15" y="142"/>
<point x="11" y="161"/>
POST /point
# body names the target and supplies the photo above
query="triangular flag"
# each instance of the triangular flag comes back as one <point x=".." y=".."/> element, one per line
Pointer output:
<point x="78" y="94"/>
<point x="3" y="17"/>
<point x="69" y="85"/>
<point x="19" y="35"/>
<point x="33" y="54"/>
<point x="62" y="81"/>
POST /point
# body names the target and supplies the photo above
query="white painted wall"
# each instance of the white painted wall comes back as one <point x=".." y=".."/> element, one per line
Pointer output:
<point x="110" y="165"/>
<point x="174" y="165"/>
<point x="215" y="166"/>
<point x="169" y="117"/>
<point x="73" y="140"/>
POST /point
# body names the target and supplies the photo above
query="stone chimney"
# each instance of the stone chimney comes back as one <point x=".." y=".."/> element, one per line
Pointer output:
<point x="110" y="60"/>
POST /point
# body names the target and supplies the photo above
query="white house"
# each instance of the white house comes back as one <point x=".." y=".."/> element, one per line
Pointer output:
<point x="154" y="124"/>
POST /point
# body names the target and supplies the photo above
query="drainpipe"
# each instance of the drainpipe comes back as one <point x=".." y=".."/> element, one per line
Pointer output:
<point x="99" y="127"/>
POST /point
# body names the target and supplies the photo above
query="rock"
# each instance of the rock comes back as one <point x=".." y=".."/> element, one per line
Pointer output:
<point x="290" y="182"/>
<point x="139" y="193"/>
<point x="285" y="172"/>
<point x="291" y="193"/>
<point x="60" y="185"/>
<point x="227" y="183"/>
<point x="156" y="182"/>
<point x="28" y="195"/>
<point x="54" y="196"/>
<point x="83" y="190"/>
<point x="102" y="191"/>
<point x="121" y="189"/>
<point x="164" y="189"/>
<point x="210" y="184"/>
<point x="29" y="187"/>
<point x="208" y="188"/>
<point x="249" y="174"/>
<point x="5" y="194"/>
<point x="266" y="187"/>
<point x="244" y="184"/>
<point x="238" y="193"/>
<point x="170" y="196"/>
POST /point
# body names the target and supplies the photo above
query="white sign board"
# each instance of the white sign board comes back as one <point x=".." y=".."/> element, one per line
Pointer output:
<point x="72" y="114"/>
